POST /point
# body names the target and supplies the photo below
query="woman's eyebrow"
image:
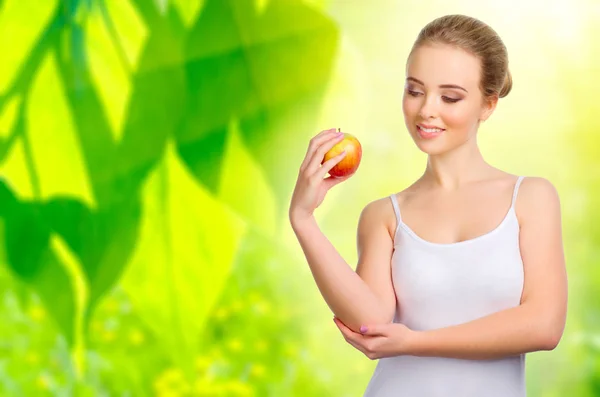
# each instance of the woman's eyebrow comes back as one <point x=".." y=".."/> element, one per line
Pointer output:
<point x="441" y="86"/>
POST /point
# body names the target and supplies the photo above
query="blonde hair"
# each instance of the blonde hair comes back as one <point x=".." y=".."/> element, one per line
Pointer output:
<point x="477" y="38"/>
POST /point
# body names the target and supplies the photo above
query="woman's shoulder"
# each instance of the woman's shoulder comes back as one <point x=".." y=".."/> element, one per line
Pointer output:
<point x="536" y="194"/>
<point x="537" y="184"/>
<point x="381" y="210"/>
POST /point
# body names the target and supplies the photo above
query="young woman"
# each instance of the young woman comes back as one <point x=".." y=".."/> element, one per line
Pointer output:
<point x="463" y="272"/>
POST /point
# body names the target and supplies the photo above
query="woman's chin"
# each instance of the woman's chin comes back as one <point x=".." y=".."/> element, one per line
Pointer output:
<point x="432" y="151"/>
<point x="429" y="146"/>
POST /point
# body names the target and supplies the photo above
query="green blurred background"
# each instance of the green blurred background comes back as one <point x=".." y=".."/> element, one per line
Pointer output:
<point x="148" y="151"/>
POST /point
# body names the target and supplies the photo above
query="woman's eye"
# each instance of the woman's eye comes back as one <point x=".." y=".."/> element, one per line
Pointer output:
<point x="445" y="98"/>
<point x="451" y="100"/>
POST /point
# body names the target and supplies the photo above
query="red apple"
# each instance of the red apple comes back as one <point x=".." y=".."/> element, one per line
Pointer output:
<point x="351" y="160"/>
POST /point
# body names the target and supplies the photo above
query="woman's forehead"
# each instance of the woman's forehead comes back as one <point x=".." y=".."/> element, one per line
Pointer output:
<point x="443" y="64"/>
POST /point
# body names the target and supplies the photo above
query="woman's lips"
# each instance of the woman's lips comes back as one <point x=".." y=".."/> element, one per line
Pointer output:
<point x="428" y="135"/>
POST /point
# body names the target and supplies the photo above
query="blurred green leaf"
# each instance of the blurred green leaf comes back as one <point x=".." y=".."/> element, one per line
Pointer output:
<point x="57" y="159"/>
<point x="187" y="245"/>
<point x="114" y="38"/>
<point x="62" y="156"/>
<point x="14" y="170"/>
<point x="102" y="239"/>
<point x="242" y="174"/>
<point x="22" y="22"/>
<point x="188" y="10"/>
<point x="30" y="256"/>
<point x="8" y="117"/>
<point x="267" y="69"/>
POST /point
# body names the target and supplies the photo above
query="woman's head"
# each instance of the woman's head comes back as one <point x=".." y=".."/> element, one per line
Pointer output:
<point x="456" y="71"/>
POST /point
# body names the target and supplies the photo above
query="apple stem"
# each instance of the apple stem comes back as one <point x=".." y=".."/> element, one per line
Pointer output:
<point x="339" y="130"/>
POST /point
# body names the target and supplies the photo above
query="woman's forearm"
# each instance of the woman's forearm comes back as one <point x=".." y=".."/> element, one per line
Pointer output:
<point x="505" y="333"/>
<point x="346" y="294"/>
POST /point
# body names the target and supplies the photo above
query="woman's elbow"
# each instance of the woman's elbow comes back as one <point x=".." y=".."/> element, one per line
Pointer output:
<point x="551" y="337"/>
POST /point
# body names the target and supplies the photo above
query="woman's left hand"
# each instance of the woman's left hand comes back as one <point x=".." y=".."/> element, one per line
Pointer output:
<point x="378" y="340"/>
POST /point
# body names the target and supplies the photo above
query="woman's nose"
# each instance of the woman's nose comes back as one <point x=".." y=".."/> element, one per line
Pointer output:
<point x="428" y="110"/>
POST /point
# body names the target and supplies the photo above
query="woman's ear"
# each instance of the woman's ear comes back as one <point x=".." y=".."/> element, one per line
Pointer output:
<point x="489" y="105"/>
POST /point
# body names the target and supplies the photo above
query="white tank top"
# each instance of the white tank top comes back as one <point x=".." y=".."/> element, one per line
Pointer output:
<point x="438" y="285"/>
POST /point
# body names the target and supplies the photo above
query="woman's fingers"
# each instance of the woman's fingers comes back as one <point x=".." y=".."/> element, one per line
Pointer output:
<point x="314" y="144"/>
<point x="315" y="162"/>
<point x="329" y="164"/>
<point x="349" y="336"/>
<point x="356" y="345"/>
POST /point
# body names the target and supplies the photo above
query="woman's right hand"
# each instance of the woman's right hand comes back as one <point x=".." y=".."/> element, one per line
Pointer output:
<point x="311" y="186"/>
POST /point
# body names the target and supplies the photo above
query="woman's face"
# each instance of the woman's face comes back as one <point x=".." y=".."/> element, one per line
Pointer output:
<point x="442" y="92"/>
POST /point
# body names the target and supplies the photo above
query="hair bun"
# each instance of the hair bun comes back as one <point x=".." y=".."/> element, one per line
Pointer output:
<point x="507" y="86"/>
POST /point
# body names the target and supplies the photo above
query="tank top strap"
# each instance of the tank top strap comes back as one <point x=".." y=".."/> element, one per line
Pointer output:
<point x="516" y="190"/>
<point x="396" y="208"/>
